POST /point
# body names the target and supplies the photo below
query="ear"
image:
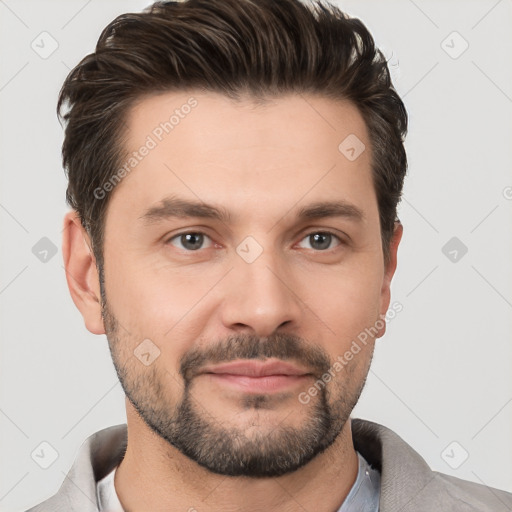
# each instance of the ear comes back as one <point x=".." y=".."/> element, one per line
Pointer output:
<point x="389" y="272"/>
<point x="81" y="273"/>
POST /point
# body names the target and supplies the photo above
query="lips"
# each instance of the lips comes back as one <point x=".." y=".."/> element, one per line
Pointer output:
<point x="256" y="369"/>
<point x="257" y="377"/>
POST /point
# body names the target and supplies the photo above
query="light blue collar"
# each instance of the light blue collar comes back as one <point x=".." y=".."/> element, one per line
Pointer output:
<point x="365" y="493"/>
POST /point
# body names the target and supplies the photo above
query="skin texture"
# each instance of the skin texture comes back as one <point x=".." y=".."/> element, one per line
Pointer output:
<point x="194" y="442"/>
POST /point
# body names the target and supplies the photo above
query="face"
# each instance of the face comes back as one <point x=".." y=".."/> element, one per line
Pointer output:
<point x="244" y="235"/>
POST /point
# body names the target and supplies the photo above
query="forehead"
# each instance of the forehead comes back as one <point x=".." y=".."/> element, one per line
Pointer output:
<point x="218" y="122"/>
<point x="207" y="147"/>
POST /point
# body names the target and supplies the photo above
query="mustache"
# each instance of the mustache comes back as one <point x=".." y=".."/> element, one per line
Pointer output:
<point x="286" y="347"/>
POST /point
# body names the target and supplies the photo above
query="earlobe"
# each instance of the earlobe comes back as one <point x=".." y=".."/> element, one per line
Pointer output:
<point x="389" y="272"/>
<point x="81" y="272"/>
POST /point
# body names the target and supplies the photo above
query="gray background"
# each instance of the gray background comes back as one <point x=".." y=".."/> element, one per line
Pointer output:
<point x="441" y="375"/>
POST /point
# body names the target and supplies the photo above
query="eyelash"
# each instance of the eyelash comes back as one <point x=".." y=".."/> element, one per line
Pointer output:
<point x="322" y="232"/>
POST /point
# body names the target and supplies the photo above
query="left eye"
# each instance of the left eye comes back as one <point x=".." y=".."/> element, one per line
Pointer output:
<point x="320" y="241"/>
<point x="190" y="241"/>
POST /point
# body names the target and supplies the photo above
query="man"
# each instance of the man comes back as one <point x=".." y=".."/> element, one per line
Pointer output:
<point x="234" y="171"/>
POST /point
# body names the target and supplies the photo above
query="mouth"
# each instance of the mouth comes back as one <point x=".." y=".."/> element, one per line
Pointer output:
<point x="255" y="376"/>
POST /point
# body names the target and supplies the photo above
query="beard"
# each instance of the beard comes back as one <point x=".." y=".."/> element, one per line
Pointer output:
<point x="228" y="449"/>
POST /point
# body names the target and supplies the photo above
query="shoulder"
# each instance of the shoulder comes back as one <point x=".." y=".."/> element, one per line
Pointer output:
<point x="470" y="496"/>
<point x="98" y="455"/>
<point x="407" y="482"/>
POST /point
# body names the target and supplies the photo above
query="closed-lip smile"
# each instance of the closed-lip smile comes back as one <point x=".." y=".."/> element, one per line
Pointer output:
<point x="249" y="376"/>
<point x="257" y="369"/>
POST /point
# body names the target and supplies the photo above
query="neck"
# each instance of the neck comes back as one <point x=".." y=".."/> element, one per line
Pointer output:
<point x="154" y="475"/>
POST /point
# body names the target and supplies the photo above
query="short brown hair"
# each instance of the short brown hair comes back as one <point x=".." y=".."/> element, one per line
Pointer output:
<point x="264" y="48"/>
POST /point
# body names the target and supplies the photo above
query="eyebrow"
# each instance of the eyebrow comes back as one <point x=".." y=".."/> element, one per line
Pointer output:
<point x="171" y="207"/>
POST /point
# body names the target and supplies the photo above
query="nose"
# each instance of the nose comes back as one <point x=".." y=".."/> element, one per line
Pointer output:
<point x="261" y="297"/>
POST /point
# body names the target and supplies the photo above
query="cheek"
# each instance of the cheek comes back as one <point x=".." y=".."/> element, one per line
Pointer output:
<point x="348" y="300"/>
<point x="162" y="304"/>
